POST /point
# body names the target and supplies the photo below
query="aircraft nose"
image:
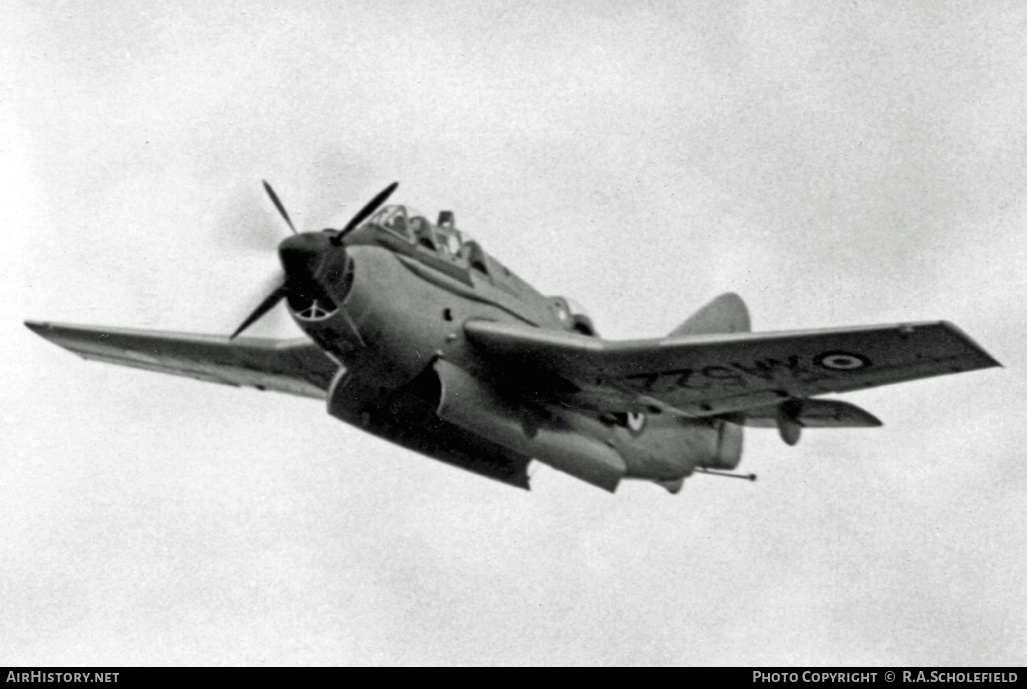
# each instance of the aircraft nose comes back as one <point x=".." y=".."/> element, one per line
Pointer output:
<point x="301" y="254"/>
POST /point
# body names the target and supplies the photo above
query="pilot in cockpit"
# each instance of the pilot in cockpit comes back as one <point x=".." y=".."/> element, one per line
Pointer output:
<point x="392" y="218"/>
<point x="398" y="223"/>
<point x="422" y="233"/>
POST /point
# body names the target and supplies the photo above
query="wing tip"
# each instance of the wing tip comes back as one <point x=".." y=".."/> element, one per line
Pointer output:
<point x="985" y="360"/>
<point x="45" y="329"/>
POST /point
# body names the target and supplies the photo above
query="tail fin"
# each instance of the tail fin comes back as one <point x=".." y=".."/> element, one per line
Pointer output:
<point x="725" y="314"/>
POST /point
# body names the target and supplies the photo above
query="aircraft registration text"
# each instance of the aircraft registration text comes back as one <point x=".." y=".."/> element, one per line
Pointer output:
<point x="738" y="374"/>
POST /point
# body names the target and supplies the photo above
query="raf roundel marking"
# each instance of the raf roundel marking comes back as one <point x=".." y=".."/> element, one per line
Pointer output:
<point x="841" y="361"/>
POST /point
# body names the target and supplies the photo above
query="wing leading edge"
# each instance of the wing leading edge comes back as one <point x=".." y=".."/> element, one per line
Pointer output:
<point x="296" y="366"/>
<point x="710" y="375"/>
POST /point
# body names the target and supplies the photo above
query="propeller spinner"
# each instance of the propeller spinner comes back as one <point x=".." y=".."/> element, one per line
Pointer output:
<point x="305" y="255"/>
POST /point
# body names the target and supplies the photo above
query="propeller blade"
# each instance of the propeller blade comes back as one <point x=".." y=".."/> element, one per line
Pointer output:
<point x="366" y="211"/>
<point x="269" y="303"/>
<point x="278" y="204"/>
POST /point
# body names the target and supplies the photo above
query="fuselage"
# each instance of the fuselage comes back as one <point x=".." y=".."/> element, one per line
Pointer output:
<point x="390" y="309"/>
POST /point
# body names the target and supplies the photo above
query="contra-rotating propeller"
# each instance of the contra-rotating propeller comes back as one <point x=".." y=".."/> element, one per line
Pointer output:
<point x="278" y="205"/>
<point x="363" y="213"/>
<point x="303" y="255"/>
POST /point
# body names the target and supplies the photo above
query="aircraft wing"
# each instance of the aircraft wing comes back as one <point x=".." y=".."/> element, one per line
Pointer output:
<point x="298" y="366"/>
<point x="709" y="375"/>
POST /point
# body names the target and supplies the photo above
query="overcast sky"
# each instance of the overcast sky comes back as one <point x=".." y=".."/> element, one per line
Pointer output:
<point x="836" y="164"/>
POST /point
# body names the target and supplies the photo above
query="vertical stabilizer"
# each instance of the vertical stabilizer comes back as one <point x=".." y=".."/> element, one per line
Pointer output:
<point x="725" y="314"/>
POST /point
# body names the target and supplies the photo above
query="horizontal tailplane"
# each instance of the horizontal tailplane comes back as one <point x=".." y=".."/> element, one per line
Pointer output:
<point x="791" y="416"/>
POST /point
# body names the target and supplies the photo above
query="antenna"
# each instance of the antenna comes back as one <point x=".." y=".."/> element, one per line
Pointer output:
<point x="711" y="472"/>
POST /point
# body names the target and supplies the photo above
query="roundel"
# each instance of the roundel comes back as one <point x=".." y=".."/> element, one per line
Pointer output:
<point x="841" y="361"/>
<point x="635" y="421"/>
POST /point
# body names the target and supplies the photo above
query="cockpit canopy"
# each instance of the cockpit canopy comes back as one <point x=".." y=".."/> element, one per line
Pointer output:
<point x="580" y="320"/>
<point x="576" y="309"/>
<point x="442" y="247"/>
<point x="412" y="225"/>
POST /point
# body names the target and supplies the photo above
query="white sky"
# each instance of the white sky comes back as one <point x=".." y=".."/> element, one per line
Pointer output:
<point x="834" y="163"/>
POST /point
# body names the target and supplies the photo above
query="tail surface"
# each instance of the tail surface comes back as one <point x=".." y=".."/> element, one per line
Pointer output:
<point x="725" y="314"/>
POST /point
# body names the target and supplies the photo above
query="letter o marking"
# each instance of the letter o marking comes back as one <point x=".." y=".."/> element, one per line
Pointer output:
<point x="841" y="361"/>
